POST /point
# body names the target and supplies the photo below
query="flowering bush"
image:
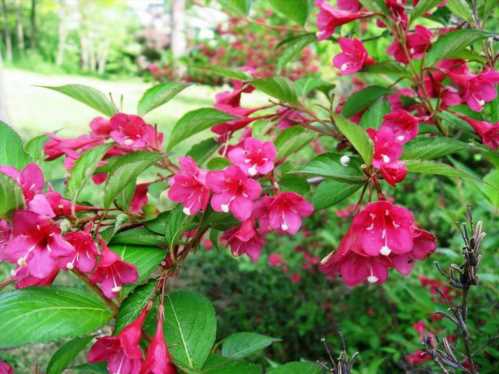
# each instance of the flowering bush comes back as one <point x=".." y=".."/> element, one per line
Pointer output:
<point x="135" y="202"/>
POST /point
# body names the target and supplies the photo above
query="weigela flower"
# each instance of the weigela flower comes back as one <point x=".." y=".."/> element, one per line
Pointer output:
<point x="286" y="210"/>
<point x="244" y="239"/>
<point x="349" y="5"/>
<point x="5" y="235"/>
<point x="276" y="260"/>
<point x="56" y="146"/>
<point x="395" y="99"/>
<point x="424" y="245"/>
<point x="85" y="253"/>
<point x="254" y="157"/>
<point x="30" y="179"/>
<point x="5" y="368"/>
<point x="437" y="288"/>
<point x="418" y="357"/>
<point x="417" y="43"/>
<point x="139" y="198"/>
<point x="37" y="245"/>
<point x="188" y="187"/>
<point x="288" y="117"/>
<point x="101" y="127"/>
<point x="487" y="131"/>
<point x="353" y="57"/>
<point x="122" y="352"/>
<point x="404" y="126"/>
<point x="230" y="101"/>
<point x="158" y="360"/>
<point x="329" y="18"/>
<point x="112" y="273"/>
<point x="131" y="132"/>
<point x="233" y="191"/>
<point x="477" y="90"/>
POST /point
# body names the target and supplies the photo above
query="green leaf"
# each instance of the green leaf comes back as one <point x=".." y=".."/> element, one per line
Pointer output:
<point x="432" y="148"/>
<point x="244" y="344"/>
<point x="176" y="224"/>
<point x="159" y="95"/>
<point x="238" y="7"/>
<point x="220" y="221"/>
<point x="294" y="183"/>
<point x="11" y="148"/>
<point x="292" y="140"/>
<point x="461" y="9"/>
<point x="491" y="187"/>
<point x="34" y="147"/>
<point x="83" y="169"/>
<point x="223" y="72"/>
<point x="331" y="192"/>
<point x="373" y="117"/>
<point x="306" y="85"/>
<point x="385" y="67"/>
<point x="329" y="165"/>
<point x="296" y="368"/>
<point x="451" y="43"/>
<point x="88" y="96"/>
<point x="190" y="328"/>
<point x="11" y="196"/>
<point x="194" y="122"/>
<point x="296" y="10"/>
<point x="357" y="136"/>
<point x="66" y="354"/>
<point x="133" y="305"/>
<point x="40" y="315"/>
<point x="98" y="368"/>
<point x="216" y="364"/>
<point x="277" y="87"/>
<point x="203" y="150"/>
<point x="435" y="168"/>
<point x="217" y="163"/>
<point x="138" y="236"/>
<point x="363" y="99"/>
<point x="126" y="169"/>
<point x="375" y="5"/>
<point x="422" y="7"/>
<point x="292" y="48"/>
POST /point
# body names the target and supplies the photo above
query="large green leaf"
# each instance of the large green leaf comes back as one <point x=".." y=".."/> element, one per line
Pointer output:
<point x="491" y="187"/>
<point x="461" y="9"/>
<point x="296" y="10"/>
<point x="331" y="192"/>
<point x="83" y="170"/>
<point x="292" y="140"/>
<point x="203" y="150"/>
<point x="138" y="236"/>
<point x="296" y="368"/>
<point x="11" y="148"/>
<point x="436" y="168"/>
<point x="216" y="364"/>
<point x="423" y="7"/>
<point x="126" y="169"/>
<point x="34" y="147"/>
<point x="176" y="224"/>
<point x="194" y="122"/>
<point x="39" y="315"/>
<point x="293" y="47"/>
<point x="330" y="165"/>
<point x="133" y="305"/>
<point x="451" y="43"/>
<point x="385" y="67"/>
<point x="159" y="95"/>
<point x="363" y="99"/>
<point x="428" y="149"/>
<point x="190" y="328"/>
<point x="11" y="196"/>
<point x="223" y="72"/>
<point x="373" y="117"/>
<point x="87" y="95"/>
<point x="357" y="136"/>
<point x="278" y="87"/>
<point x="66" y="354"/>
<point x="243" y="344"/>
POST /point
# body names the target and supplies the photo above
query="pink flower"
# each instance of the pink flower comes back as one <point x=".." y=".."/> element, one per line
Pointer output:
<point x="404" y="126"/>
<point x="286" y="210"/>
<point x="349" y="5"/>
<point x="418" y="357"/>
<point x="383" y="227"/>
<point x="230" y="101"/>
<point x="395" y="99"/>
<point x="101" y="127"/>
<point x="276" y="260"/>
<point x="5" y="368"/>
<point x="5" y="235"/>
<point x="476" y="90"/>
<point x="417" y="43"/>
<point x="254" y="157"/>
<point x="122" y="352"/>
<point x="233" y="191"/>
<point x="244" y="239"/>
<point x="487" y="131"/>
<point x="37" y="245"/>
<point x="424" y="245"/>
<point x="295" y="278"/>
<point x="139" y="198"/>
<point x="158" y="360"/>
<point x="85" y="254"/>
<point x="112" y="272"/>
<point x="71" y="148"/>
<point x="353" y="58"/>
<point x="289" y="117"/>
<point x="30" y="179"/>
<point x="188" y="187"/>
<point x="132" y="133"/>
<point x="329" y="18"/>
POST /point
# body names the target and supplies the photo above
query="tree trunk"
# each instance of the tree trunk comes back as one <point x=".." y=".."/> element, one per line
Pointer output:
<point x="19" y="26"/>
<point x="178" y="36"/>
<point x="62" y="34"/>
<point x="6" y="33"/>
<point x="33" y="30"/>
<point x="3" y="99"/>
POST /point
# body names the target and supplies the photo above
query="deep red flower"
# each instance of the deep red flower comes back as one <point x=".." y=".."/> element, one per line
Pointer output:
<point x="329" y="18"/>
<point x="132" y="133"/>
<point x="417" y="43"/>
<point x="244" y="239"/>
<point x="487" y="131"/>
<point x="289" y="117"/>
<point x="85" y="254"/>
<point x="353" y="57"/>
<point x="418" y="357"/>
<point x="477" y="90"/>
<point x="404" y="126"/>
<point x="139" y="198"/>
<point x="56" y="146"/>
<point x="5" y="368"/>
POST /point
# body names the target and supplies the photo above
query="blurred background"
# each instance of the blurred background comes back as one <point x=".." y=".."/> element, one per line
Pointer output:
<point x="122" y="47"/>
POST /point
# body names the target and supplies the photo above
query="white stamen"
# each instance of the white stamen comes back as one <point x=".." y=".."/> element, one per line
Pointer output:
<point x="70" y="266"/>
<point x="21" y="261"/>
<point x="225" y="208"/>
<point x="13" y="272"/>
<point x="372" y="279"/>
<point x="186" y="211"/>
<point x="284" y="227"/>
<point x="400" y="137"/>
<point x="385" y="251"/>
<point x="481" y="102"/>
<point x="412" y="50"/>
<point x="128" y="141"/>
<point x="385" y="158"/>
<point x="344" y="160"/>
<point x="344" y="66"/>
<point x="383" y="233"/>
<point x="252" y="170"/>
<point x="60" y="206"/>
<point x="370" y="227"/>
<point x="116" y="289"/>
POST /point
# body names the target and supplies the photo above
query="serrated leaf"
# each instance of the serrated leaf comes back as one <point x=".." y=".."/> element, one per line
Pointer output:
<point x="126" y="169"/>
<point x="357" y="136"/>
<point x="329" y="165"/>
<point x="292" y="48"/>
<point x="296" y="10"/>
<point x="451" y="43"/>
<point x="363" y="99"/>
<point x="279" y="88"/>
<point x="429" y="149"/>
<point x="296" y="368"/>
<point x="190" y="328"/>
<point x="331" y="192"/>
<point x="194" y="122"/>
<point x="158" y="95"/>
<point x="216" y="364"/>
<point x="223" y="72"/>
<point x="84" y="168"/>
<point x="11" y="148"/>
<point x="203" y="150"/>
<point x="88" y="96"/>
<point x="11" y="196"/>
<point x="422" y="7"/>
<point x="373" y="117"/>
<point x="292" y="140"/>
<point x="435" y="168"/>
<point x="66" y="354"/>
<point x="461" y="9"/>
<point x="244" y="344"/>
<point x="40" y="315"/>
<point x="132" y="306"/>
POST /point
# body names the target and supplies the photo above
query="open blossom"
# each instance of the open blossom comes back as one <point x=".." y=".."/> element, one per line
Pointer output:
<point x="233" y="191"/>
<point x="477" y="90"/>
<point x="188" y="187"/>
<point x="100" y="127"/>
<point x="276" y="260"/>
<point x="329" y="18"/>
<point x="122" y="352"/>
<point x="418" y="357"/>
<point x="353" y="57"/>
<point x="349" y="5"/>
<point x="417" y="43"/>
<point x="230" y="101"/>
<point x="404" y="126"/>
<point x="5" y="368"/>
<point x="244" y="239"/>
<point x="424" y="245"/>
<point x="85" y="251"/>
<point x="112" y="273"/>
<point x="30" y="179"/>
<point x="254" y="157"/>
<point x="131" y="132"/>
<point x="487" y="131"/>
<point x="286" y="210"/>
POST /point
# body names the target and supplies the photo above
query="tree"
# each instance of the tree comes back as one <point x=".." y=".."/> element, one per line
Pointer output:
<point x="19" y="26"/>
<point x="6" y="32"/>
<point x="33" y="31"/>
<point x="178" y="36"/>
<point x="3" y="102"/>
